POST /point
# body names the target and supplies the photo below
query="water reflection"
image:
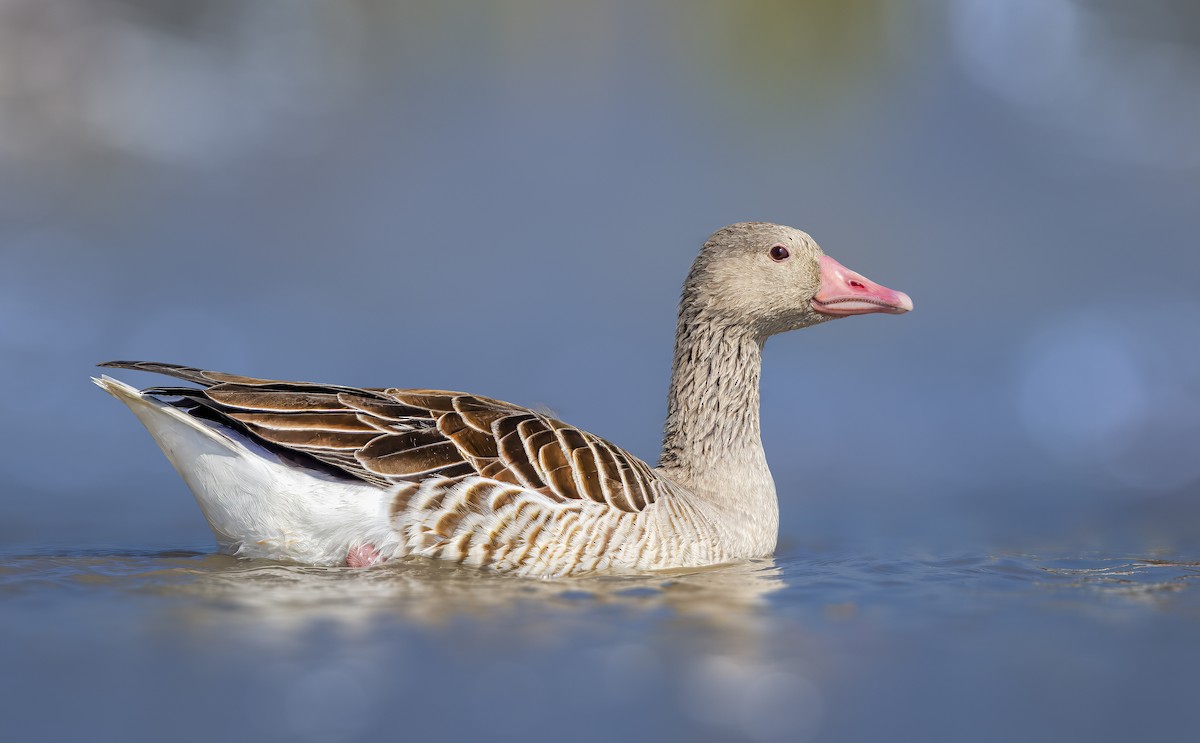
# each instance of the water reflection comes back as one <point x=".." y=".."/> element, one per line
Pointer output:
<point x="710" y="644"/>
<point x="723" y="607"/>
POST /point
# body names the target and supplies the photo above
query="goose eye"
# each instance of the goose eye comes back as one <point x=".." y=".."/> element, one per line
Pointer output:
<point x="779" y="253"/>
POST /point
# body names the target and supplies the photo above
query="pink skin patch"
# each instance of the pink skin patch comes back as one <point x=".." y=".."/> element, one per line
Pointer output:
<point x="844" y="292"/>
<point x="363" y="556"/>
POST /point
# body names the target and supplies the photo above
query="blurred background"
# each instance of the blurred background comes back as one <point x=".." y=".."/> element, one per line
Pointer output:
<point x="504" y="198"/>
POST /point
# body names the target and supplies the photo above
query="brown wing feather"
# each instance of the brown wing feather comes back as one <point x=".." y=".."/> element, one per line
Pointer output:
<point x="347" y="422"/>
<point x="390" y="435"/>
<point x="282" y="401"/>
<point x="382" y="408"/>
<point x="587" y="475"/>
<point x="472" y="442"/>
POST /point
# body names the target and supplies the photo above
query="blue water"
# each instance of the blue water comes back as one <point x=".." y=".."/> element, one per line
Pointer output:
<point x="186" y="645"/>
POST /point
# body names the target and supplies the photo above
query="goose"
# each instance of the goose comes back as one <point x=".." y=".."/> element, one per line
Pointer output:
<point x="334" y="475"/>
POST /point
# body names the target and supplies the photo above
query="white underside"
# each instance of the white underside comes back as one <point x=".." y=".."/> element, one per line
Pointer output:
<point x="257" y="504"/>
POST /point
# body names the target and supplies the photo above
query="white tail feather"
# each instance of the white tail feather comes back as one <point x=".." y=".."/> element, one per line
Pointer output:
<point x="257" y="504"/>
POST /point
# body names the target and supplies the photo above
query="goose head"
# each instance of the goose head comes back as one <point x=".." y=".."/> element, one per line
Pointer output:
<point x="771" y="278"/>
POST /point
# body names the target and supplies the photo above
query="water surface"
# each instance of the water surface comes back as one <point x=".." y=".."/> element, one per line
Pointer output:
<point x="189" y="645"/>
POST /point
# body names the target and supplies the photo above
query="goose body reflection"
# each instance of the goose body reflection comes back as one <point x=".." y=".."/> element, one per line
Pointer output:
<point x="725" y="604"/>
<point x="336" y="475"/>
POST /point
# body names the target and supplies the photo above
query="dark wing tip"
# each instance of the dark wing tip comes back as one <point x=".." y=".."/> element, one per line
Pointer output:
<point x="121" y="364"/>
<point x="187" y="373"/>
<point x="143" y="365"/>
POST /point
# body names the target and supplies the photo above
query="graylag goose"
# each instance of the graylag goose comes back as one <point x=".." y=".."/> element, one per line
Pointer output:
<point x="332" y="475"/>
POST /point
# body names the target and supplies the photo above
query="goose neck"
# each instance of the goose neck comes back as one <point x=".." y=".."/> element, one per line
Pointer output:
<point x="712" y="438"/>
